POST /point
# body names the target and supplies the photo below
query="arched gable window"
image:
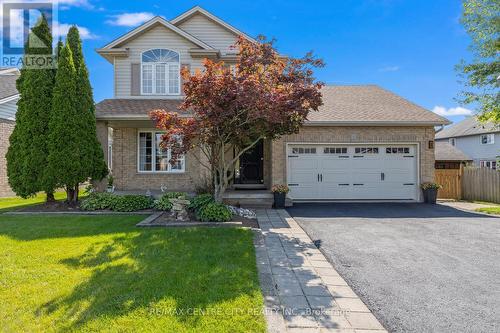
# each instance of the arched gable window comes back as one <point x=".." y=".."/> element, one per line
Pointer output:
<point x="160" y="72"/>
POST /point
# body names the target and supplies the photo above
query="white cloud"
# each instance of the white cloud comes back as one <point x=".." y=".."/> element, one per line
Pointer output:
<point x="389" y="69"/>
<point x="75" y="3"/>
<point x="458" y="111"/>
<point x="16" y="37"/>
<point x="61" y="30"/>
<point x="130" y="19"/>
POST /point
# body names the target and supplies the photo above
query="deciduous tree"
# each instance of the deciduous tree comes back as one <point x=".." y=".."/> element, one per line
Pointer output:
<point x="264" y="96"/>
<point x="481" y="20"/>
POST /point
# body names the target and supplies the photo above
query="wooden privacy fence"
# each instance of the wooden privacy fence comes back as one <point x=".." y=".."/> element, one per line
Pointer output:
<point x="450" y="179"/>
<point x="481" y="184"/>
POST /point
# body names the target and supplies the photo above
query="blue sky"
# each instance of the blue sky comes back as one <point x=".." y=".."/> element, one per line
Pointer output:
<point x="409" y="47"/>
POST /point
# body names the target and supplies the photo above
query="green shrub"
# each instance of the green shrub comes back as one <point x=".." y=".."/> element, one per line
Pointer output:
<point x="175" y="195"/>
<point x="130" y="203"/>
<point x="164" y="202"/>
<point x="98" y="201"/>
<point x="214" y="212"/>
<point x="200" y="201"/>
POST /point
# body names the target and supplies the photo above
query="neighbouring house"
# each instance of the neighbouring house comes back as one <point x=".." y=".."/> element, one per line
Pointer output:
<point x="480" y="141"/>
<point x="8" y="107"/>
<point x="365" y="143"/>
<point x="449" y="157"/>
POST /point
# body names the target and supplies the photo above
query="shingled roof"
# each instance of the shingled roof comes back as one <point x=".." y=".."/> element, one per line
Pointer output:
<point x="8" y="77"/>
<point x="362" y="105"/>
<point x="370" y="104"/>
<point x="134" y="108"/>
<point x="443" y="151"/>
<point x="468" y="126"/>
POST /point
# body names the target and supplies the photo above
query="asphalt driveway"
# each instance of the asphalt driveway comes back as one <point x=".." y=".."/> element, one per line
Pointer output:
<point x="419" y="268"/>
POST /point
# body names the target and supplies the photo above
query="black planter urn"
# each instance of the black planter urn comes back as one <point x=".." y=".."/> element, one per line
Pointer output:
<point x="279" y="200"/>
<point x="430" y="195"/>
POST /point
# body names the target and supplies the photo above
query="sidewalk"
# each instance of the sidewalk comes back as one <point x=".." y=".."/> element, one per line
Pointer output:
<point x="302" y="291"/>
<point x="465" y="205"/>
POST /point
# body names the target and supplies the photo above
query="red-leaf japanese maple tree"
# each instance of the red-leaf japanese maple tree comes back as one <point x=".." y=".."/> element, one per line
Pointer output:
<point x="264" y="95"/>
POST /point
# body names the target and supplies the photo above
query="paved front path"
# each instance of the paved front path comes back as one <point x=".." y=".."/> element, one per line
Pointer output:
<point x="303" y="292"/>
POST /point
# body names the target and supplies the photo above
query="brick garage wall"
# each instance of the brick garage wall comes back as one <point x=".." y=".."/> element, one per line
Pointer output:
<point x="372" y="134"/>
<point x="126" y="176"/>
<point x="6" y="128"/>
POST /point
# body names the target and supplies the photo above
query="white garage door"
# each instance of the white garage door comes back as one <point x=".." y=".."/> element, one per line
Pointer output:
<point x="348" y="172"/>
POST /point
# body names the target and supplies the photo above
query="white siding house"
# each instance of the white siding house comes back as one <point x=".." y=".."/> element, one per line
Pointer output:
<point x="479" y="141"/>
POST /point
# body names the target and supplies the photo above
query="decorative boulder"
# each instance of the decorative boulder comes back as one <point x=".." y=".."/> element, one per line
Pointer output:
<point x="179" y="209"/>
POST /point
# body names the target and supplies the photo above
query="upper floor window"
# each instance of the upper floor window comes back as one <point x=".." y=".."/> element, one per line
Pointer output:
<point x="451" y="141"/>
<point x="487" y="139"/>
<point x="160" y="72"/>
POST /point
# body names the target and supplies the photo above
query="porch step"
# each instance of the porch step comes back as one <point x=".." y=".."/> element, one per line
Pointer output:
<point x="249" y="198"/>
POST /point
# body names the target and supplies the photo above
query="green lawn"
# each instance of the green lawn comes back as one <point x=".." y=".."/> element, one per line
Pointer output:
<point x="490" y="210"/>
<point x="7" y="204"/>
<point x="88" y="273"/>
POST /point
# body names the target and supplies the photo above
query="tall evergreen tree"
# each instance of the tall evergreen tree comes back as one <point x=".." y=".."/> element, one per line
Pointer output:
<point x="27" y="153"/>
<point x="75" y="44"/>
<point x="59" y="47"/>
<point x="92" y="157"/>
<point x="64" y="138"/>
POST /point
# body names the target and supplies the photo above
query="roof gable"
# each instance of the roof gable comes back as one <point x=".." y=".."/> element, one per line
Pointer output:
<point x="198" y="10"/>
<point x="149" y="24"/>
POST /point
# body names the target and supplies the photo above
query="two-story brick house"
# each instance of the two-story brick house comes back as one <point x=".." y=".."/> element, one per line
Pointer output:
<point x="365" y="143"/>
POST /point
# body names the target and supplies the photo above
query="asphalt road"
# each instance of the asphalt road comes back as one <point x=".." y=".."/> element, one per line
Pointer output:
<point x="419" y="268"/>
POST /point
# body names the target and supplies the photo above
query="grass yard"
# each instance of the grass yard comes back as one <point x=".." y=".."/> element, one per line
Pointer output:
<point x="495" y="210"/>
<point x="101" y="273"/>
<point x="13" y="203"/>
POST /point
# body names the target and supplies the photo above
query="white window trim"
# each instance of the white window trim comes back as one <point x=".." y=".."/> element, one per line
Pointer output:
<point x="484" y="164"/>
<point x="167" y="68"/>
<point x="153" y="156"/>
<point x="488" y="136"/>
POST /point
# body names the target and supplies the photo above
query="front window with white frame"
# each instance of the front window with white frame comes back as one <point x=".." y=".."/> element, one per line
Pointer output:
<point x="160" y="72"/>
<point x="487" y="139"/>
<point x="153" y="158"/>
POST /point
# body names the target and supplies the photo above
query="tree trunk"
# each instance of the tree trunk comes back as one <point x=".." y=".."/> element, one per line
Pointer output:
<point x="75" y="198"/>
<point x="50" y="197"/>
<point x="70" y="191"/>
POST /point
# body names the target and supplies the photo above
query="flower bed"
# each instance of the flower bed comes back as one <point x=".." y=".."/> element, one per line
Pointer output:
<point x="198" y="208"/>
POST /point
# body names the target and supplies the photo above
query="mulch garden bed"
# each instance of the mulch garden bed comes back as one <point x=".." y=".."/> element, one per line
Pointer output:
<point x="57" y="206"/>
<point x="62" y="207"/>
<point x="163" y="220"/>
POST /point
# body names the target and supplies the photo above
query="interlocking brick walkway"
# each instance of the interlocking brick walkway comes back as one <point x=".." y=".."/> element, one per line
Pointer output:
<point x="302" y="291"/>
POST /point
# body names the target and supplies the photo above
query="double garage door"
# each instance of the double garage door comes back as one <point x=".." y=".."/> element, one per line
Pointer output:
<point x="352" y="172"/>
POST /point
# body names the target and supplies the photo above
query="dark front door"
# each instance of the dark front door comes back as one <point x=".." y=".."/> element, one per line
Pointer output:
<point x="251" y="166"/>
